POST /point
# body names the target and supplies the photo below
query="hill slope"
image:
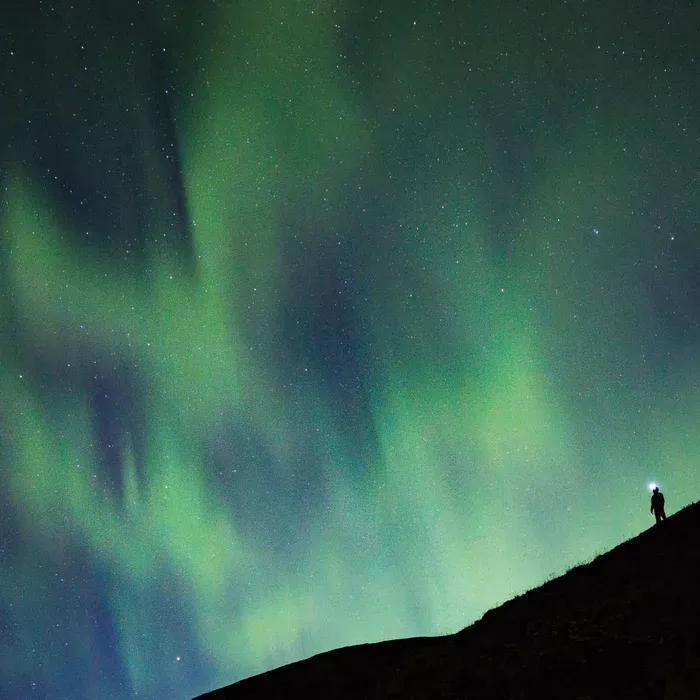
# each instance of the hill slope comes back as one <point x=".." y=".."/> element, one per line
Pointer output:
<point x="625" y="626"/>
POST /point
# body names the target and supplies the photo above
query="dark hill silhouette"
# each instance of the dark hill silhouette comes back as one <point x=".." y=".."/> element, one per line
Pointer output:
<point x="625" y="626"/>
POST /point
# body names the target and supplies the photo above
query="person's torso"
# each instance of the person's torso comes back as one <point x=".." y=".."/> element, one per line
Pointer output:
<point x="657" y="500"/>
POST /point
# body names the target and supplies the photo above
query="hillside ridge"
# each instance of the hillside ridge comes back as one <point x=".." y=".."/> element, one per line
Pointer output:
<point x="624" y="625"/>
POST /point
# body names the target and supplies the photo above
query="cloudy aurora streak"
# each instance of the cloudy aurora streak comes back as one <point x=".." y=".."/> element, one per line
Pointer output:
<point x="326" y="323"/>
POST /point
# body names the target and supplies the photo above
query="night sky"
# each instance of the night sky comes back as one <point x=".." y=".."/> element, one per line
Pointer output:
<point x="330" y="322"/>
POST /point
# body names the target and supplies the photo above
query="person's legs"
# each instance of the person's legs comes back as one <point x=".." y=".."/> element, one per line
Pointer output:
<point x="658" y="516"/>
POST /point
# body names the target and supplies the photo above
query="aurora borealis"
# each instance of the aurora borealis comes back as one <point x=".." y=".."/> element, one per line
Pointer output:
<point x="330" y="322"/>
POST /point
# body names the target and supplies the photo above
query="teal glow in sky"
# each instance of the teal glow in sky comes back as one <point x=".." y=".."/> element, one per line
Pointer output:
<point x="328" y="323"/>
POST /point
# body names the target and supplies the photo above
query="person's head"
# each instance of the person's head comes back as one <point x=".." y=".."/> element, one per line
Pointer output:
<point x="656" y="489"/>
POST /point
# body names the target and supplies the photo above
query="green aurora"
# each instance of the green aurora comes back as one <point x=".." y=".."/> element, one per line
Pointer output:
<point x="410" y="329"/>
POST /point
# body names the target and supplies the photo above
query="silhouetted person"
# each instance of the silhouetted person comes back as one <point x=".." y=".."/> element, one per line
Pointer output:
<point x="657" y="505"/>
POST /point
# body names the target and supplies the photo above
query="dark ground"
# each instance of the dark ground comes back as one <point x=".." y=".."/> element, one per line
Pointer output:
<point x="625" y="626"/>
